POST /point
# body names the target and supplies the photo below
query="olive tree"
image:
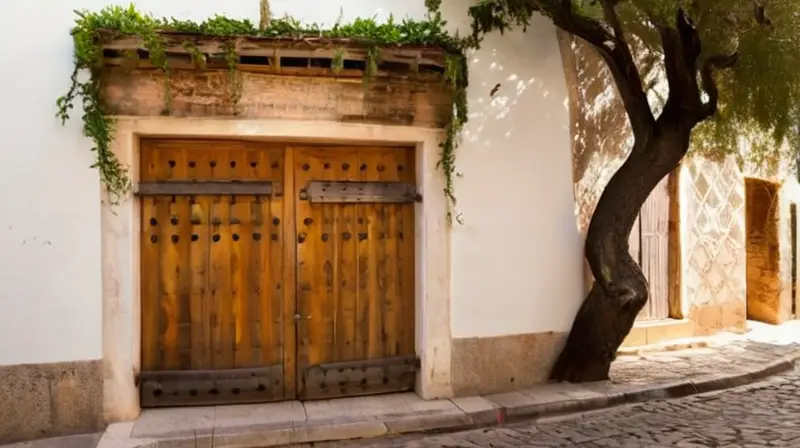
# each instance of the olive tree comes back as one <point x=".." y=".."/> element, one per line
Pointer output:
<point x="732" y="71"/>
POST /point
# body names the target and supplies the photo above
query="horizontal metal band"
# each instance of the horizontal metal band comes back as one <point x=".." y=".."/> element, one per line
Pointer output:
<point x="211" y="387"/>
<point x="209" y="188"/>
<point x="408" y="361"/>
<point x="360" y="192"/>
<point x="354" y="378"/>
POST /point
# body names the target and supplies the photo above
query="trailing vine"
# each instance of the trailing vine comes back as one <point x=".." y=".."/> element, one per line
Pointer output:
<point x="91" y="28"/>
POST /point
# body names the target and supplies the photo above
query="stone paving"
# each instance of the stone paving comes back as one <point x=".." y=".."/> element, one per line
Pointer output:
<point x="764" y="414"/>
<point x="718" y="363"/>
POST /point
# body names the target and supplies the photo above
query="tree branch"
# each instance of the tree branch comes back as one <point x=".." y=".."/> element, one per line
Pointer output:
<point x="719" y="62"/>
<point x="615" y="51"/>
<point x="681" y="49"/>
<point x="626" y="74"/>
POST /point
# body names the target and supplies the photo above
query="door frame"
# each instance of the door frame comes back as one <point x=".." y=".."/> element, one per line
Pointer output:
<point x="120" y="243"/>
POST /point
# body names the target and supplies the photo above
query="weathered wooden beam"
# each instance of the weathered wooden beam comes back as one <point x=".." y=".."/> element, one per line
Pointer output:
<point x="265" y="47"/>
<point x="210" y="188"/>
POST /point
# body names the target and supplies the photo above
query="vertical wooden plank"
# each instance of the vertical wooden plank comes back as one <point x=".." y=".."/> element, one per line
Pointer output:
<point x="184" y="231"/>
<point x="655" y="251"/>
<point x="219" y="259"/>
<point x="240" y="227"/>
<point x="371" y="270"/>
<point x="387" y="253"/>
<point x="309" y="278"/>
<point x="168" y="255"/>
<point x="674" y="271"/>
<point x="254" y="280"/>
<point x="168" y="325"/>
<point x="222" y="320"/>
<point x="330" y="167"/>
<point x="198" y="167"/>
<point x="253" y="236"/>
<point x="346" y="273"/>
<point x="340" y="164"/>
<point x="287" y="233"/>
<point x="406" y="264"/>
<point x="265" y="317"/>
<point x="273" y="162"/>
<point x="310" y="273"/>
<point x="179" y="241"/>
<point x="150" y="265"/>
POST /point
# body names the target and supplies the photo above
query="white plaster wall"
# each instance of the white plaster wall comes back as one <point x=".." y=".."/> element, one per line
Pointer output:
<point x="515" y="262"/>
<point x="50" y="287"/>
<point x="517" y="259"/>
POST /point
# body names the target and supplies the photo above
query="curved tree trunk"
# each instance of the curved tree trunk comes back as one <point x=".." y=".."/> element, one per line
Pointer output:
<point x="620" y="289"/>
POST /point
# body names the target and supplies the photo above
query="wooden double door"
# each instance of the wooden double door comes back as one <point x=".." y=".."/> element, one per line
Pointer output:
<point x="272" y="272"/>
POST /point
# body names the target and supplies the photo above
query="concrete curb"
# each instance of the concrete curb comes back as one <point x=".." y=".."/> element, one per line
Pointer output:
<point x="73" y="441"/>
<point x="469" y="413"/>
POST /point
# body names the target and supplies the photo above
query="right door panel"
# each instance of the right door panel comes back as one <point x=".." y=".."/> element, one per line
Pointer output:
<point x="355" y="272"/>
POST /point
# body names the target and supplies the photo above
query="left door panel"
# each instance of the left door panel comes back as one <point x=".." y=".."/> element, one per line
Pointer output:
<point x="212" y="273"/>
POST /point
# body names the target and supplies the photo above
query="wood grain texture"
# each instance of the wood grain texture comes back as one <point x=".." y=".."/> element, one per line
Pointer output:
<point x="249" y="281"/>
<point x="653" y="247"/>
<point x="355" y="270"/>
<point x="211" y="264"/>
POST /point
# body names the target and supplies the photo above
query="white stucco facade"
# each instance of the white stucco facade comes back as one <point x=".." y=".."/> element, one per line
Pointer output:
<point x="515" y="264"/>
<point x="517" y="257"/>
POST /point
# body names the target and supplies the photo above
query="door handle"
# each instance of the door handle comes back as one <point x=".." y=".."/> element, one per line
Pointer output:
<point x="301" y="317"/>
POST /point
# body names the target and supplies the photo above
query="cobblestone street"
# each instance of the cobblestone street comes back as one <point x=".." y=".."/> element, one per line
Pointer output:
<point x="764" y="414"/>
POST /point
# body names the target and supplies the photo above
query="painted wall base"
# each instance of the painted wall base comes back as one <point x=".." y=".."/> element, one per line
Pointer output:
<point x="505" y="363"/>
<point x="50" y="400"/>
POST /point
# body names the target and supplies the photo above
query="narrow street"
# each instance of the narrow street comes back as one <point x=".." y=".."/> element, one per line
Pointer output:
<point x="765" y="414"/>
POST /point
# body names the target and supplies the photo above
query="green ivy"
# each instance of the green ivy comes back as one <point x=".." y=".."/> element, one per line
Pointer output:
<point x="127" y="21"/>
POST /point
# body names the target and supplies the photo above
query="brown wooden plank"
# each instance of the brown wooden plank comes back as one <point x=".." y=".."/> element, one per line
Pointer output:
<point x="309" y="332"/>
<point x="197" y="167"/>
<point x="326" y="254"/>
<point x="370" y="279"/>
<point x="267" y="339"/>
<point x="674" y="243"/>
<point x="361" y="192"/>
<point x="286" y="232"/>
<point x="170" y="266"/>
<point x="255" y="275"/>
<point x="222" y="319"/>
<point x="241" y="263"/>
<point x="392" y="304"/>
<point x="184" y="230"/>
<point x="406" y="262"/>
<point x="346" y="267"/>
<point x="200" y="313"/>
<point x="309" y="47"/>
<point x="654" y="220"/>
<point x="273" y="209"/>
<point x="150" y="273"/>
<point x="150" y="265"/>
<point x="194" y="188"/>
<point x="180" y="225"/>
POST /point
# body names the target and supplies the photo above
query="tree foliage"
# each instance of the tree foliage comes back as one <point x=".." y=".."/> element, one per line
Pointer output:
<point x="747" y="71"/>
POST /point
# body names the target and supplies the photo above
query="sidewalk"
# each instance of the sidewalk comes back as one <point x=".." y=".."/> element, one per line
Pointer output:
<point x="717" y="363"/>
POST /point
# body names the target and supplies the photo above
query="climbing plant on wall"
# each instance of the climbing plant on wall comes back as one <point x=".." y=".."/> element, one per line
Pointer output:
<point x="91" y="28"/>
